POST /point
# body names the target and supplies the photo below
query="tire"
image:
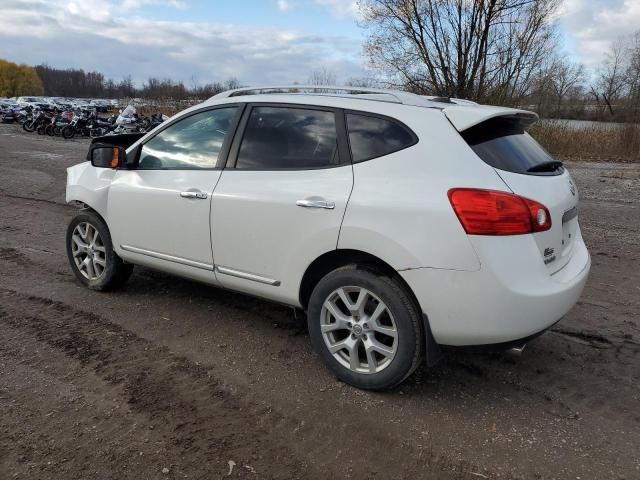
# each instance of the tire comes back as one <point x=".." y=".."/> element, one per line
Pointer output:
<point x="40" y="129"/>
<point x="373" y="371"/>
<point x="93" y="275"/>
<point x="49" y="130"/>
<point x="68" y="132"/>
<point x="29" y="126"/>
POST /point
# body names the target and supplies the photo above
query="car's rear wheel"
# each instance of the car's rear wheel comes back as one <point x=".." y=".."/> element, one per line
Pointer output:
<point x="91" y="256"/>
<point x="366" y="327"/>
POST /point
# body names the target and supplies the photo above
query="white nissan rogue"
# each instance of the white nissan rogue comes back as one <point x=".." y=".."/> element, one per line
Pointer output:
<point x="398" y="222"/>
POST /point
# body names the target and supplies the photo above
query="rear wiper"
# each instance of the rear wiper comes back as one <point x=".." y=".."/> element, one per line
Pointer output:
<point x="549" y="166"/>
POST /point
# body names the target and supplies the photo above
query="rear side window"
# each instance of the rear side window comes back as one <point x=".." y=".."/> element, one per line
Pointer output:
<point x="288" y="138"/>
<point x="371" y="137"/>
<point x="503" y="143"/>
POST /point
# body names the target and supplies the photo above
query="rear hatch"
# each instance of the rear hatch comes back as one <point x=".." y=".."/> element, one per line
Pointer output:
<point x="530" y="171"/>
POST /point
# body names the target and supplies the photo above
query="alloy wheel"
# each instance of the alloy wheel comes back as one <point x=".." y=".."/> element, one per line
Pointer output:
<point x="89" y="253"/>
<point x="359" y="330"/>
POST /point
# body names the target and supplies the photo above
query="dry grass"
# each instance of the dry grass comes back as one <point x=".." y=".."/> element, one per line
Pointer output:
<point x="593" y="142"/>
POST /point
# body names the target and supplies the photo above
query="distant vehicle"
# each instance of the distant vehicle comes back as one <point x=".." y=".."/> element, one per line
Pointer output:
<point x="101" y="105"/>
<point x="397" y="222"/>
<point x="8" y="111"/>
<point x="34" y="101"/>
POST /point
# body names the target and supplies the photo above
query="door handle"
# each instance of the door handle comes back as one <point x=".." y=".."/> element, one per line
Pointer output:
<point x="198" y="195"/>
<point x="316" y="203"/>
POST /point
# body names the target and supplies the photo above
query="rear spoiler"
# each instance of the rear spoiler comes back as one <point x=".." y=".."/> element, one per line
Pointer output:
<point x="124" y="140"/>
<point x="463" y="117"/>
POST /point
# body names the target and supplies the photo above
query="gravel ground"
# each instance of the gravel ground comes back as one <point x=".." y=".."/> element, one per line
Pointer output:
<point x="172" y="379"/>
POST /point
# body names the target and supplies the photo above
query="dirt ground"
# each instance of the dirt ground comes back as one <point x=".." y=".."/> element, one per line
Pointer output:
<point x="172" y="379"/>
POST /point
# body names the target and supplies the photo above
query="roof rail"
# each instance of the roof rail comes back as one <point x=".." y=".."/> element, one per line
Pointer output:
<point x="397" y="96"/>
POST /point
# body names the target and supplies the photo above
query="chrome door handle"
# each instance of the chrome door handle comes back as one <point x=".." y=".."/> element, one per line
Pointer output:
<point x="198" y="195"/>
<point x="313" y="203"/>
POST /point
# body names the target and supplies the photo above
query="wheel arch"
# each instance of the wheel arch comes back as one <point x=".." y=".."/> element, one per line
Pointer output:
<point x="85" y="207"/>
<point x="333" y="259"/>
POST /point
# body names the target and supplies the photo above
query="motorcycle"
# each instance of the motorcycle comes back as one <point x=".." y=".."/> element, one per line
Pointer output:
<point x="26" y="118"/>
<point x="59" y="123"/>
<point x="77" y="126"/>
<point x="98" y="127"/>
<point x="44" y="121"/>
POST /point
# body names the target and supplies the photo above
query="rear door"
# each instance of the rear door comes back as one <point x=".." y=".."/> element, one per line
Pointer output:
<point x="530" y="171"/>
<point x="280" y="202"/>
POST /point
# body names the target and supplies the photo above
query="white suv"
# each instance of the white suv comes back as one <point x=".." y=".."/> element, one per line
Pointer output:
<point x="398" y="222"/>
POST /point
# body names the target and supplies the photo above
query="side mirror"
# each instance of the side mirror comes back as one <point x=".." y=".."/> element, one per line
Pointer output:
<point x="107" y="156"/>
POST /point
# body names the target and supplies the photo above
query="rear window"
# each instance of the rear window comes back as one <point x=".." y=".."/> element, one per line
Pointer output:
<point x="372" y="137"/>
<point x="503" y="143"/>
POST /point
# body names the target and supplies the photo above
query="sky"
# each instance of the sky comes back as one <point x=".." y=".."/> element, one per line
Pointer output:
<point x="259" y="42"/>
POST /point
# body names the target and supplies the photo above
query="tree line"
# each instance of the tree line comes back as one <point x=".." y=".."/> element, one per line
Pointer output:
<point x="17" y="80"/>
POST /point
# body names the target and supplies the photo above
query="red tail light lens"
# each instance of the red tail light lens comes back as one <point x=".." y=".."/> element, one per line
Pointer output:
<point x="490" y="212"/>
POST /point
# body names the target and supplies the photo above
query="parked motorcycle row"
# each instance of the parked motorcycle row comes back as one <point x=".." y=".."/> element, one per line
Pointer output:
<point x="76" y="122"/>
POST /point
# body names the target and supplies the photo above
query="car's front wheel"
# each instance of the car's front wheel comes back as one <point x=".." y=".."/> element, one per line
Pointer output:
<point x="91" y="254"/>
<point x="366" y="327"/>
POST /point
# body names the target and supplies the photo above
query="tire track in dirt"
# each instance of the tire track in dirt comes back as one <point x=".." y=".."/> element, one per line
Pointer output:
<point x="205" y="422"/>
<point x="39" y="200"/>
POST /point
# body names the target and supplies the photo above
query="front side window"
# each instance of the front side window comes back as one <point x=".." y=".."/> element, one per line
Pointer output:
<point x="191" y="143"/>
<point x="372" y="137"/>
<point x="283" y="137"/>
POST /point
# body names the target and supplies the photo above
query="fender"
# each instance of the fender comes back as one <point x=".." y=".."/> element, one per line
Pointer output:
<point x="89" y="185"/>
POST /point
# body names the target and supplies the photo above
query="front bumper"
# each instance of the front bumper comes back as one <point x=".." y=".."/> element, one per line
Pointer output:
<point x="511" y="297"/>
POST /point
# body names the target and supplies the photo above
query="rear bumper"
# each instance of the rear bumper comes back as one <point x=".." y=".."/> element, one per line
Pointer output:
<point x="511" y="297"/>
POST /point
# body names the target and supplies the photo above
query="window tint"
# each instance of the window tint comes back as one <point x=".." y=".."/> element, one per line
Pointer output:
<point x="371" y="137"/>
<point x="194" y="142"/>
<point x="503" y="143"/>
<point x="280" y="137"/>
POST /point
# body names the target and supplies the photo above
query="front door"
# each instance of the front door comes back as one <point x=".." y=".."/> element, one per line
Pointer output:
<point x="159" y="213"/>
<point x="280" y="202"/>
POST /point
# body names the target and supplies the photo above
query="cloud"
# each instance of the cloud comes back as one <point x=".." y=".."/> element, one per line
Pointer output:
<point x="592" y="25"/>
<point x="89" y="34"/>
<point x="341" y="8"/>
<point x="284" y="5"/>
<point x="134" y="4"/>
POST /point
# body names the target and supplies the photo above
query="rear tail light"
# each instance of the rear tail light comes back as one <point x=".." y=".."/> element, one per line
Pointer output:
<point x="490" y="212"/>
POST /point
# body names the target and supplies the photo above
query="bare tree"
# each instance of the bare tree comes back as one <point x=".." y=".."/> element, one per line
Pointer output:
<point x="478" y="49"/>
<point x="565" y="76"/>
<point x="232" y="83"/>
<point x="612" y="79"/>
<point x="324" y="76"/>
<point x="364" y="82"/>
<point x="633" y="75"/>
